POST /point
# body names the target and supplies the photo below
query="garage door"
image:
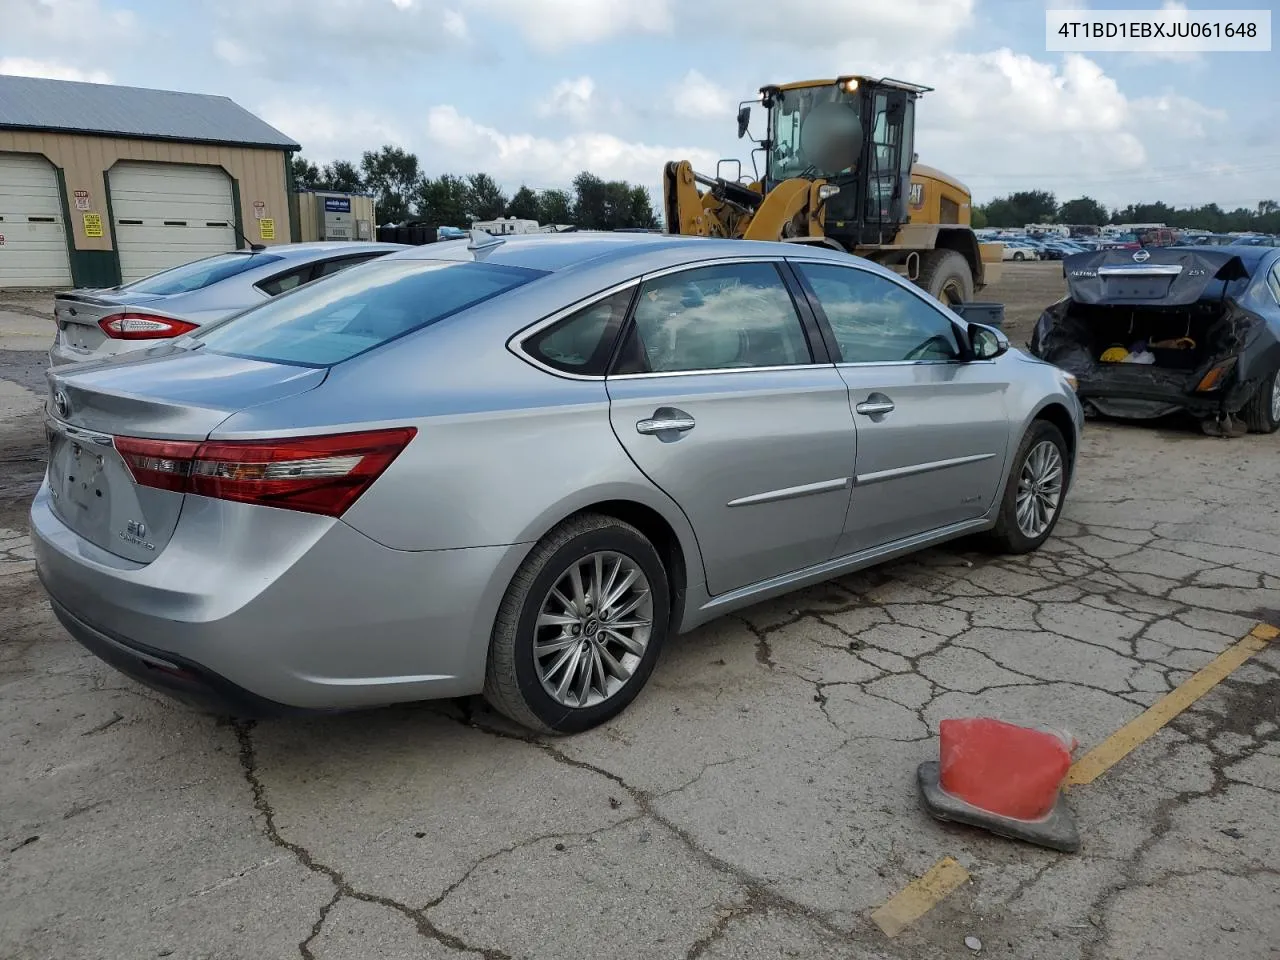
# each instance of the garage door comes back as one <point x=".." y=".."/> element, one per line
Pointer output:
<point x="34" y="248"/>
<point x="168" y="214"/>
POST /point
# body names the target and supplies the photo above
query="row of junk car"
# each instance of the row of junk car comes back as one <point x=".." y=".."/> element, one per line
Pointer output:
<point x="1033" y="245"/>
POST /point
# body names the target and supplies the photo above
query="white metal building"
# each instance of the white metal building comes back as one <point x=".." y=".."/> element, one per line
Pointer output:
<point x="101" y="184"/>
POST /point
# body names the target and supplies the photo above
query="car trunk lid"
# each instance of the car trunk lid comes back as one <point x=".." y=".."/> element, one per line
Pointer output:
<point x="178" y="397"/>
<point x="77" y="314"/>
<point x="1164" y="277"/>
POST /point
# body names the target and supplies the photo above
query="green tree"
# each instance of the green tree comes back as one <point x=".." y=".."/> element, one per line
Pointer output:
<point x="342" y="177"/>
<point x="306" y="175"/>
<point x="485" y="199"/>
<point x="1084" y="210"/>
<point x="443" y="201"/>
<point x="555" y="206"/>
<point x="391" y="174"/>
<point x="524" y="205"/>
<point x="590" y="202"/>
<point x="1019" y="209"/>
<point x="641" y="213"/>
<point x="978" y="218"/>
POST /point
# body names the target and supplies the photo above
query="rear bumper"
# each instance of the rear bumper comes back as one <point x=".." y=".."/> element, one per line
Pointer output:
<point x="1147" y="396"/>
<point x="266" y="609"/>
<point x="61" y="353"/>
<point x="181" y="679"/>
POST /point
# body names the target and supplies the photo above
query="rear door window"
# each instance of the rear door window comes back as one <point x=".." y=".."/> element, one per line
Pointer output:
<point x="723" y="317"/>
<point x="327" y="323"/>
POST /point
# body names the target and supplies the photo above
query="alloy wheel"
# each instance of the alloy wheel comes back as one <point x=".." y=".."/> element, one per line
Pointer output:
<point x="1039" y="489"/>
<point x="1275" y="400"/>
<point x="592" y="629"/>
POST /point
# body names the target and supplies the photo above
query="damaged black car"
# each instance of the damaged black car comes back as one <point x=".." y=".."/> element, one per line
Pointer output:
<point x="1157" y="331"/>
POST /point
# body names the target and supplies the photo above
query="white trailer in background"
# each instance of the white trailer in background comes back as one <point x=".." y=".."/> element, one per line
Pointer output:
<point x="506" y="226"/>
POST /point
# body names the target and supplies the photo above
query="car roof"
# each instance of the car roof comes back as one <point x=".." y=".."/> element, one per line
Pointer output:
<point x="553" y="252"/>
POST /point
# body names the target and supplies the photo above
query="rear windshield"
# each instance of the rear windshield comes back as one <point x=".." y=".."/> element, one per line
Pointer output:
<point x="200" y="273"/>
<point x="335" y="318"/>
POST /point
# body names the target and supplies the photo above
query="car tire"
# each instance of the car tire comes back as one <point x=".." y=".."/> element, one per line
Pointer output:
<point x="517" y="678"/>
<point x="1018" y="255"/>
<point x="946" y="276"/>
<point x="1041" y="444"/>
<point x="1260" y="414"/>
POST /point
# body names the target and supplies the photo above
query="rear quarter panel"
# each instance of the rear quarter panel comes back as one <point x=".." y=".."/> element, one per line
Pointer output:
<point x="504" y="451"/>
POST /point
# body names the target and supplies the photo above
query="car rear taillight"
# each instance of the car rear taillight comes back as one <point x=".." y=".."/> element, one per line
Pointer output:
<point x="143" y="326"/>
<point x="322" y="475"/>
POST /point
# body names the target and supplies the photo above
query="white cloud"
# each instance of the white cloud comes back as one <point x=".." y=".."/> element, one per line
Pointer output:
<point x="232" y="53"/>
<point x="570" y="98"/>
<point x="455" y="24"/>
<point x="1003" y="121"/>
<point x="553" y="25"/>
<point x="58" y="22"/>
<point x="698" y="98"/>
<point x="845" y="26"/>
<point x="328" y="134"/>
<point x="50" y="70"/>
<point x="514" y="158"/>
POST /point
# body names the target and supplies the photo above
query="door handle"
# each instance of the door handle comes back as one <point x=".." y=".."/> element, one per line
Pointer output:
<point x="873" y="408"/>
<point x="666" y="421"/>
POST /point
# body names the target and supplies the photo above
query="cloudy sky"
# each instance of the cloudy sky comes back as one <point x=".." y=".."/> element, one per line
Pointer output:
<point x="535" y="90"/>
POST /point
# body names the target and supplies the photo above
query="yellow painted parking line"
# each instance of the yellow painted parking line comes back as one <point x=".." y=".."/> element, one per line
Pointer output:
<point x="920" y="896"/>
<point x="1137" y="731"/>
<point x="926" y="892"/>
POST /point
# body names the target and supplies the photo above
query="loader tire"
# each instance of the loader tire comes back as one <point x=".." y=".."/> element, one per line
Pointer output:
<point x="946" y="276"/>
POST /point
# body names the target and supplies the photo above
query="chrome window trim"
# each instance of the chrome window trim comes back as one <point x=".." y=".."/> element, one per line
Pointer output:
<point x="863" y="364"/>
<point x="720" y="370"/>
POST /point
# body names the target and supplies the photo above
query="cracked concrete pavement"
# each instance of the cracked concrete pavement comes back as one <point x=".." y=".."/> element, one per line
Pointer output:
<point x="758" y="800"/>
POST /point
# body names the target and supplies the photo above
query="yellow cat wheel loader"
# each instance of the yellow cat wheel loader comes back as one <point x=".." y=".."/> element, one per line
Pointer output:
<point x="840" y="171"/>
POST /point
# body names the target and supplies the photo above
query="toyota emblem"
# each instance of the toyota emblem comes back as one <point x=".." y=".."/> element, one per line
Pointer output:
<point x="61" y="404"/>
<point x="1141" y="256"/>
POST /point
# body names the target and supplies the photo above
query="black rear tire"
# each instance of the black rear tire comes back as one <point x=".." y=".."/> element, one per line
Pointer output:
<point x="512" y="684"/>
<point x="1257" y="413"/>
<point x="946" y="276"/>
<point x="1007" y="536"/>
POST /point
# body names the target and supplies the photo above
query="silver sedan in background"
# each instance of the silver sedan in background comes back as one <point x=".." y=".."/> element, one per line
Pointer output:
<point x="517" y="466"/>
<point x="97" y="323"/>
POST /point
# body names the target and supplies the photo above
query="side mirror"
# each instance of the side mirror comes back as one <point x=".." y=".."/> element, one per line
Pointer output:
<point x="987" y="343"/>
<point x="744" y="121"/>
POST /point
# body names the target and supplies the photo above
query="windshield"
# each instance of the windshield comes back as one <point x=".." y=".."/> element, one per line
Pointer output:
<point x="338" y="317"/>
<point x="816" y="132"/>
<point x="199" y="274"/>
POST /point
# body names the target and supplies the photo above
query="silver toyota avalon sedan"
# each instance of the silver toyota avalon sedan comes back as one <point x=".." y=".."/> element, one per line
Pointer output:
<point x="517" y="466"/>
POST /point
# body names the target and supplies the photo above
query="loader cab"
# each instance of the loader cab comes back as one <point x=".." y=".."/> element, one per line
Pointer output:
<point x="855" y="132"/>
